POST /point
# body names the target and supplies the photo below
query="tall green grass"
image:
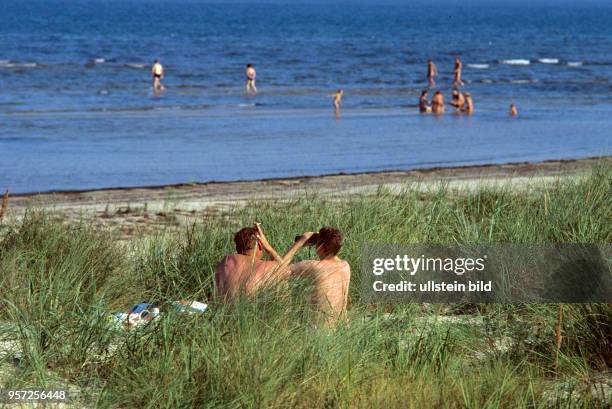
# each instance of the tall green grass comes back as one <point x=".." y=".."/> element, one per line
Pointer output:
<point x="59" y="281"/>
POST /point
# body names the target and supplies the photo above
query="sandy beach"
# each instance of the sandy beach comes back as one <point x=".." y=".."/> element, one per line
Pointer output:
<point x="303" y="205"/>
<point x="143" y="209"/>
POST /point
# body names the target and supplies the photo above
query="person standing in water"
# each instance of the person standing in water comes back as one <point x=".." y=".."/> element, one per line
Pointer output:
<point x="337" y="99"/>
<point x="250" y="87"/>
<point x="424" y="106"/>
<point x="458" y="100"/>
<point x="457" y="71"/>
<point x="157" y="72"/>
<point x="432" y="71"/>
<point x="513" y="110"/>
<point x="468" y="107"/>
<point x="437" y="103"/>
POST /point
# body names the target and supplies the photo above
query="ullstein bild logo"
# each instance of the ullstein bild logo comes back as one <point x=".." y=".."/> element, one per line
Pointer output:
<point x="508" y="273"/>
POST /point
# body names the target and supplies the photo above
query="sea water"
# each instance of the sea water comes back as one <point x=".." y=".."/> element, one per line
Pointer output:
<point x="77" y="109"/>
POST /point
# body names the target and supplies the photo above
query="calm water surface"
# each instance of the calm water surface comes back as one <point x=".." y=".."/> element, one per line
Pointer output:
<point x="77" y="110"/>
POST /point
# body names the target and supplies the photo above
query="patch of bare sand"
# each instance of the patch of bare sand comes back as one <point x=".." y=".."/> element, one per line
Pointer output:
<point x="138" y="211"/>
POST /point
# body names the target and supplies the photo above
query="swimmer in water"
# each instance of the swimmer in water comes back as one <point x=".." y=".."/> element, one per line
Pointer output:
<point x="457" y="71"/>
<point x="458" y="100"/>
<point x="424" y="106"/>
<point x="513" y="110"/>
<point x="432" y="71"/>
<point x="337" y="99"/>
<point x="250" y="87"/>
<point x="437" y="103"/>
<point x="157" y="72"/>
<point x="468" y="107"/>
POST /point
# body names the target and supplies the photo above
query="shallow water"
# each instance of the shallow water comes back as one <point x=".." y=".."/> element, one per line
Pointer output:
<point x="77" y="110"/>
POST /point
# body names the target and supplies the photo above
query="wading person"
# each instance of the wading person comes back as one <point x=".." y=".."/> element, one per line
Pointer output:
<point x="250" y="87"/>
<point x="424" y="106"/>
<point x="457" y="71"/>
<point x="437" y="103"/>
<point x="337" y="96"/>
<point x="457" y="100"/>
<point x="468" y="107"/>
<point x="157" y="72"/>
<point x="432" y="71"/>
<point x="513" y="110"/>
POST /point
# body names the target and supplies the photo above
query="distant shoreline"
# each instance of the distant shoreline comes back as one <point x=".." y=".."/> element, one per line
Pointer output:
<point x="191" y="198"/>
<point x="462" y="169"/>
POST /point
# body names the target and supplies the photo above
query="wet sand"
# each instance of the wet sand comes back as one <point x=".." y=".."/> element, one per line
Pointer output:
<point x="145" y="208"/>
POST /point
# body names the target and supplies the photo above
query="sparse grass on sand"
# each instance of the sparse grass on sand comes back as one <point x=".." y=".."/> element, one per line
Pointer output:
<point x="58" y="283"/>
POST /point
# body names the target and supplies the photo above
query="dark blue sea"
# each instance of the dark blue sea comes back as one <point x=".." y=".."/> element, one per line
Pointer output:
<point x="77" y="109"/>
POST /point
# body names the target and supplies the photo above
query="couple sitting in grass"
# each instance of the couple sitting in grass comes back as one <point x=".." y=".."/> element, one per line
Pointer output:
<point x="246" y="272"/>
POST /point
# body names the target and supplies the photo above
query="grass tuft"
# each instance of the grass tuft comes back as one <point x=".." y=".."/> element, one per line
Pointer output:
<point x="58" y="282"/>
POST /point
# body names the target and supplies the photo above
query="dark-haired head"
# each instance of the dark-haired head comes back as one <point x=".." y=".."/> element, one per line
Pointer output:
<point x="329" y="241"/>
<point x="245" y="239"/>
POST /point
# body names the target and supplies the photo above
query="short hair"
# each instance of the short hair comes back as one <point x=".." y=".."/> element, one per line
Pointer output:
<point x="249" y="65"/>
<point x="245" y="239"/>
<point x="156" y="61"/>
<point x="330" y="239"/>
<point x="424" y="93"/>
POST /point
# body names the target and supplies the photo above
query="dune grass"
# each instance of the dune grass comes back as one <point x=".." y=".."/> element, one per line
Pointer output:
<point x="58" y="282"/>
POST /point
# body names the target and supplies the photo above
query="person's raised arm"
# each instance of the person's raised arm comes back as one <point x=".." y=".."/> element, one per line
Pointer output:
<point x="266" y="245"/>
<point x="299" y="243"/>
<point x="286" y="259"/>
